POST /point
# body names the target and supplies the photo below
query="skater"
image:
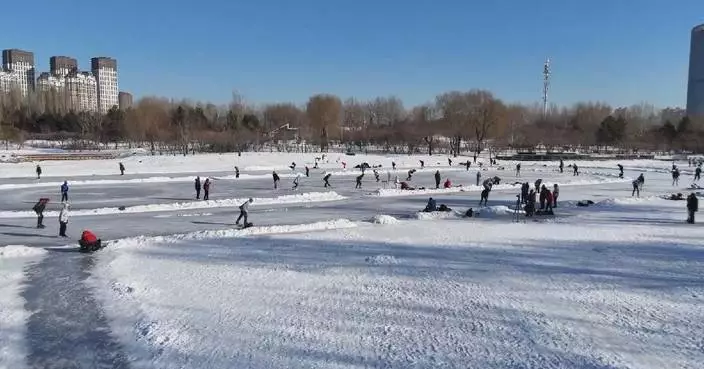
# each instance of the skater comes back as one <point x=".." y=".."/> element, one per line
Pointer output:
<point x="484" y="196"/>
<point x="449" y="161"/>
<point x="359" y="181"/>
<point x="431" y="206"/>
<point x="518" y="170"/>
<point x="698" y="173"/>
<point x="467" y="165"/>
<point x="244" y="211"/>
<point x="410" y="174"/>
<point x="276" y="178"/>
<point x="39" y="209"/>
<point x="64" y="191"/>
<point x="327" y="180"/>
<point x="525" y="187"/>
<point x="295" y="181"/>
<point x="206" y="189"/>
<point x="636" y="188"/>
<point x="422" y="164"/>
<point x="447" y="184"/>
<point x="555" y="194"/>
<point x="89" y="242"/>
<point x="393" y="165"/>
<point x="543" y="196"/>
<point x="620" y="171"/>
<point x="437" y="179"/>
<point x="475" y="159"/>
<point x="562" y="166"/>
<point x="675" y="176"/>
<point x="293" y="166"/>
<point x="197" y="185"/>
<point x="39" y="172"/>
<point x="307" y="171"/>
<point x="122" y="169"/>
<point x="479" y="177"/>
<point x="237" y="172"/>
<point x="376" y="175"/>
<point x="576" y="170"/>
<point x="641" y="181"/>
<point x="63" y="220"/>
<point x="538" y="182"/>
<point x="692" y="207"/>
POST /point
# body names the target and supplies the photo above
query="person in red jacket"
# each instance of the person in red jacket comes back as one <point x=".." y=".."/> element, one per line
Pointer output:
<point x="549" y="201"/>
<point x="89" y="242"/>
<point x="447" y="183"/>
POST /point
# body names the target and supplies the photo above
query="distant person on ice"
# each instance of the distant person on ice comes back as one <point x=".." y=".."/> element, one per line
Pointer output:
<point x="39" y="210"/>
<point x="39" y="172"/>
<point x="692" y="207"/>
<point x="276" y="179"/>
<point x="675" y="176"/>
<point x="555" y="194"/>
<point x="206" y="189"/>
<point x="620" y="171"/>
<point x="484" y="197"/>
<point x="376" y="175"/>
<point x="295" y="181"/>
<point x="64" y="191"/>
<point x="576" y="170"/>
<point x="122" y="169"/>
<point x="518" y="170"/>
<point x="447" y="184"/>
<point x="538" y="182"/>
<point x="237" y="172"/>
<point x="327" y="180"/>
<point x="244" y="211"/>
<point x="359" y="181"/>
<point x="479" y="177"/>
<point x="197" y="185"/>
<point x="562" y="166"/>
<point x="636" y="188"/>
<point x="293" y="166"/>
<point x="449" y="161"/>
<point x="307" y="171"/>
<point x="525" y="187"/>
<point x="698" y="173"/>
<point x="437" y="179"/>
<point x="467" y="165"/>
<point x="543" y="196"/>
<point x="431" y="206"/>
<point x="393" y="165"/>
<point x="63" y="220"/>
<point x="422" y="164"/>
<point x="410" y="174"/>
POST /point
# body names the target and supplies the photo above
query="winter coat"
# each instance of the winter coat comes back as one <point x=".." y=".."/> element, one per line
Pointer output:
<point x="437" y="176"/>
<point x="692" y="203"/>
<point x="245" y="206"/>
<point x="88" y="237"/>
<point x="276" y="177"/>
<point x="64" y="188"/>
<point x="206" y="185"/>
<point x="63" y="215"/>
<point x="556" y="190"/>
<point x="447" y="184"/>
<point x="197" y="183"/>
<point x="548" y="197"/>
<point x="39" y="206"/>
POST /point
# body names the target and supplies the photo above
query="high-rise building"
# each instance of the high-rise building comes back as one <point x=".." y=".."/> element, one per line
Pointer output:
<point x="695" y="86"/>
<point x="47" y="81"/>
<point x="20" y="64"/>
<point x="62" y="66"/>
<point x="105" y="72"/>
<point x="125" y="100"/>
<point x="81" y="89"/>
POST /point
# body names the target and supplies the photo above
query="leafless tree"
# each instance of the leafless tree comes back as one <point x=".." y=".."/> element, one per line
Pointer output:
<point x="324" y="114"/>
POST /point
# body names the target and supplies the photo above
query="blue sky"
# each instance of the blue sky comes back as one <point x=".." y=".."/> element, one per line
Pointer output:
<point x="618" y="51"/>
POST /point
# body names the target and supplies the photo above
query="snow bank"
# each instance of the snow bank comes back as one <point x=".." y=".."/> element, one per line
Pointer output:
<point x="13" y="316"/>
<point x="495" y="210"/>
<point x="384" y="219"/>
<point x="190" y="205"/>
<point x="435" y="215"/>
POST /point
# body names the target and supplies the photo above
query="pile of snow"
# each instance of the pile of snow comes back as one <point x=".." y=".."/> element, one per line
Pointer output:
<point x="435" y="215"/>
<point x="190" y="205"/>
<point x="384" y="219"/>
<point x="627" y="200"/>
<point x="495" y="210"/>
<point x="13" y="316"/>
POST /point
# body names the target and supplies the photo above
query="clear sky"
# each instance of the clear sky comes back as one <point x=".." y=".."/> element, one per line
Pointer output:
<point x="617" y="51"/>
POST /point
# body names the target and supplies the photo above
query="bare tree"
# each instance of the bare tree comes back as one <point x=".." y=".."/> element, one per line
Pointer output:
<point x="324" y="113"/>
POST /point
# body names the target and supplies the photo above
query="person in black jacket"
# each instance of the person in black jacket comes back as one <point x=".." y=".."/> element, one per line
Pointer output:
<point x="39" y="172"/>
<point x="122" y="169"/>
<point x="692" y="207"/>
<point x="359" y="181"/>
<point x="197" y="184"/>
<point x="437" y="179"/>
<point x="39" y="209"/>
<point x="326" y="179"/>
<point x="276" y="178"/>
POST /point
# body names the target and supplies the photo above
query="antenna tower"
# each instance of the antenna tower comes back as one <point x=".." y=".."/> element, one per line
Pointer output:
<point x="546" y="86"/>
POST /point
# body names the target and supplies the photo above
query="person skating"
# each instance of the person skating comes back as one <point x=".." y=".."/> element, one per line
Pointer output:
<point x="197" y="185"/>
<point x="206" y="189"/>
<point x="422" y="164"/>
<point x="376" y="175"/>
<point x="692" y="207"/>
<point x="562" y="166"/>
<point x="307" y="171"/>
<point x="359" y="181"/>
<point x="393" y="165"/>
<point x="620" y="171"/>
<point x="675" y="176"/>
<point x="237" y="172"/>
<point x="479" y="177"/>
<point x="276" y="178"/>
<point x="122" y="169"/>
<point x="518" y="170"/>
<point x="484" y="197"/>
<point x="293" y="166"/>
<point x="555" y="194"/>
<point x="575" y="169"/>
<point x="431" y="206"/>
<point x="437" y="179"/>
<point x="39" y="210"/>
<point x="327" y="180"/>
<point x="63" y="220"/>
<point x="698" y="173"/>
<point x="64" y="191"/>
<point x="244" y="212"/>
<point x="295" y="181"/>
<point x="636" y="188"/>
<point x="449" y="161"/>
<point x="410" y="174"/>
<point x="39" y="172"/>
<point x="475" y="159"/>
<point x="543" y="196"/>
<point x="467" y="165"/>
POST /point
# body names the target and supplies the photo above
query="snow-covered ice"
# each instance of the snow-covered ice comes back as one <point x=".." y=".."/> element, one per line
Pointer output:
<point x="13" y="259"/>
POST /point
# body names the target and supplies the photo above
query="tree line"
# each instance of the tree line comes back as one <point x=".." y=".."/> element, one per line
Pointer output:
<point x="454" y="122"/>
